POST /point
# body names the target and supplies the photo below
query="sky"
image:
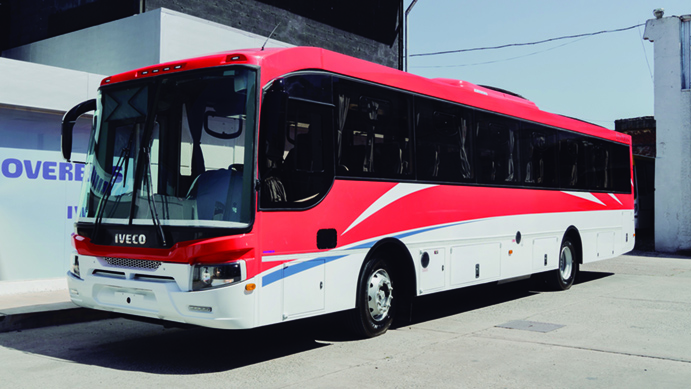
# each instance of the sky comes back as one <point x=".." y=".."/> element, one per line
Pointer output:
<point x="598" y="78"/>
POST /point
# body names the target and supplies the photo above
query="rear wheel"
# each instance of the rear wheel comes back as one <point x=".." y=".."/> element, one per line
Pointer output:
<point x="375" y="305"/>
<point x="563" y="277"/>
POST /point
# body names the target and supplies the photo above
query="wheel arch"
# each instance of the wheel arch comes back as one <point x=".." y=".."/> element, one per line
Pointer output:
<point x="399" y="259"/>
<point x="575" y="237"/>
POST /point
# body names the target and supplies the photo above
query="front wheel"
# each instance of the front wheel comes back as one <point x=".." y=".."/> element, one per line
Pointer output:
<point x="563" y="278"/>
<point x="375" y="300"/>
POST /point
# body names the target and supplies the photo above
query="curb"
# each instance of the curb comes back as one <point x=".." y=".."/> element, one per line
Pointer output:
<point x="38" y="316"/>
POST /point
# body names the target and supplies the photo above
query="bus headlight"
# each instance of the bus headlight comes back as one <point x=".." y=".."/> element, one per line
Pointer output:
<point x="211" y="276"/>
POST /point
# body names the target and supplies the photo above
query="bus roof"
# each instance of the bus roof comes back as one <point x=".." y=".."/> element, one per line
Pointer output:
<point x="276" y="62"/>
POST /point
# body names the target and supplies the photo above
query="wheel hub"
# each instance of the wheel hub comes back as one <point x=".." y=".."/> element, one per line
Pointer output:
<point x="565" y="263"/>
<point x="379" y="294"/>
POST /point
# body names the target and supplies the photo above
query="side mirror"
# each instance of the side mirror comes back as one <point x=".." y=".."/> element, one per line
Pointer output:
<point x="68" y="125"/>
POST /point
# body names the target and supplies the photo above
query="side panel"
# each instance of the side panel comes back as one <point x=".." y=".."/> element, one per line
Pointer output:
<point x="475" y="263"/>
<point x="431" y="265"/>
<point x="605" y="244"/>
<point x="545" y="254"/>
<point x="303" y="287"/>
<point x="468" y="233"/>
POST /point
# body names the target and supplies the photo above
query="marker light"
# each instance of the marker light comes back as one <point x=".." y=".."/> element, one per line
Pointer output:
<point x="250" y="287"/>
<point x="236" y="58"/>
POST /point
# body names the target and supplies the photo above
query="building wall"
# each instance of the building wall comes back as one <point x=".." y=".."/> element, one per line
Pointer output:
<point x="673" y="154"/>
<point x="26" y="21"/>
<point x="38" y="189"/>
<point x="261" y="19"/>
<point x="642" y="131"/>
<point x="157" y="36"/>
<point x="185" y="36"/>
<point x="108" y="48"/>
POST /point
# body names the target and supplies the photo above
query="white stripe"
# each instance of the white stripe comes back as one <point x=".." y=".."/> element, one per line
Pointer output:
<point x="397" y="192"/>
<point x="615" y="197"/>
<point x="585" y="196"/>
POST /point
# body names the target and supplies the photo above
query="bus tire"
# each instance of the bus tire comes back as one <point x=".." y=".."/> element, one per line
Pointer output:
<point x="376" y="305"/>
<point x="563" y="277"/>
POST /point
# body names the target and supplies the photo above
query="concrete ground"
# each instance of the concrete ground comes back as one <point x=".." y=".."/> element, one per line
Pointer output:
<point x="624" y="324"/>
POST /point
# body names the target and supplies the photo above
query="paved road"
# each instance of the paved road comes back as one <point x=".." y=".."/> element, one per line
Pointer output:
<point x="625" y="324"/>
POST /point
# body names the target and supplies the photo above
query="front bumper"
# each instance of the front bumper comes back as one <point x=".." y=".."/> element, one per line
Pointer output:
<point x="161" y="293"/>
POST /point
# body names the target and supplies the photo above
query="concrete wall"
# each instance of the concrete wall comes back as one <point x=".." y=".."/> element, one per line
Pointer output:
<point x="38" y="190"/>
<point x="184" y="36"/>
<point x="141" y="40"/>
<point x="26" y="84"/>
<point x="105" y="49"/>
<point x="673" y="117"/>
<point x="261" y="19"/>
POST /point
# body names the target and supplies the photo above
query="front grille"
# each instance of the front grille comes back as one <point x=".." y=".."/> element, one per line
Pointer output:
<point x="132" y="263"/>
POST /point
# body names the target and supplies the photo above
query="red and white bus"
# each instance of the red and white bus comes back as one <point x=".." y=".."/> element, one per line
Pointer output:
<point x="254" y="187"/>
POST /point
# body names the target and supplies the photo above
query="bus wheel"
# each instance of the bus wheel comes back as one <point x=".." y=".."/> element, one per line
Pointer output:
<point x="562" y="278"/>
<point x="375" y="309"/>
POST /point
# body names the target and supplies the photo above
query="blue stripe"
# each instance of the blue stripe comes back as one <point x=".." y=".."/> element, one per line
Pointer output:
<point x="410" y="233"/>
<point x="300" y="267"/>
<point x="272" y="277"/>
<point x="295" y="269"/>
<point x="363" y="246"/>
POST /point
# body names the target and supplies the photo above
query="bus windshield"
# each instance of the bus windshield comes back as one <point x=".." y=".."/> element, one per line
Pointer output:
<point x="173" y="150"/>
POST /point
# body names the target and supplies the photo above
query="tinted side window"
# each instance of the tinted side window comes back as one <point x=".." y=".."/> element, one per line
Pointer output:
<point x="601" y="159"/>
<point x="296" y="147"/>
<point x="443" y="142"/>
<point x="373" y="131"/>
<point x="571" y="164"/>
<point x="312" y="87"/>
<point x="538" y="155"/>
<point x="621" y="167"/>
<point x="593" y="164"/>
<point x="496" y="151"/>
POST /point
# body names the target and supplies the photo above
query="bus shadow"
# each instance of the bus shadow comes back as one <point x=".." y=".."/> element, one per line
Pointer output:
<point x="130" y="345"/>
<point x="589" y="276"/>
<point x="454" y="302"/>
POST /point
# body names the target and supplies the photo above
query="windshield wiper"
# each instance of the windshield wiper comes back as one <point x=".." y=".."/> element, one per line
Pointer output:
<point x="123" y="159"/>
<point x="150" y="196"/>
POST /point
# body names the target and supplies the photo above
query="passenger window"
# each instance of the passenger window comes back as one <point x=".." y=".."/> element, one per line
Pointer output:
<point x="443" y="146"/>
<point x="570" y="165"/>
<point x="602" y="166"/>
<point x="621" y="168"/>
<point x="538" y="155"/>
<point x="312" y="87"/>
<point x="495" y="141"/>
<point x="373" y="132"/>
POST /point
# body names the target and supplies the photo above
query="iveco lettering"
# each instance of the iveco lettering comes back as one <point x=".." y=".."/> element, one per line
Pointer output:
<point x="130" y="238"/>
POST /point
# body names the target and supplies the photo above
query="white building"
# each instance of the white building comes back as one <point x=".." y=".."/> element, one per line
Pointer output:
<point x="672" y="52"/>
